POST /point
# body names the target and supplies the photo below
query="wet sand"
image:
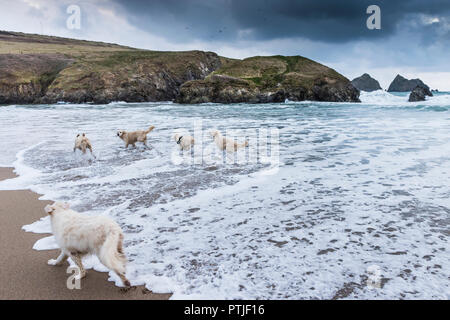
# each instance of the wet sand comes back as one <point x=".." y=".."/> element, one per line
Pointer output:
<point x="24" y="271"/>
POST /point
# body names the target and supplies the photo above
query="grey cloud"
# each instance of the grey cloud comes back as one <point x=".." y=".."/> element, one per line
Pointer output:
<point x="224" y="20"/>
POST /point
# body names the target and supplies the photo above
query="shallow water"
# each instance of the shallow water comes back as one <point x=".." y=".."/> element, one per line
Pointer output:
<point x="361" y="192"/>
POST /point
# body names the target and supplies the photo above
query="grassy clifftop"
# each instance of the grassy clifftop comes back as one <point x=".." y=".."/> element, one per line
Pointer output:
<point x="24" y="43"/>
<point x="270" y="71"/>
<point x="46" y="69"/>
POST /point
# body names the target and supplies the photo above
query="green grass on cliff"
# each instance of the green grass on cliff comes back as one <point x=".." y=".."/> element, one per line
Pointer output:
<point x="273" y="71"/>
<point x="24" y="43"/>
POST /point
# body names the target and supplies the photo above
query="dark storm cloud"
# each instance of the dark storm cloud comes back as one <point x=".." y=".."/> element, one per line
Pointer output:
<point x="323" y="20"/>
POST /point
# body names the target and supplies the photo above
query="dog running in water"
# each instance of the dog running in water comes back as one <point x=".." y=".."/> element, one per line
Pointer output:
<point x="78" y="235"/>
<point x="82" y="143"/>
<point x="134" y="136"/>
<point x="227" y="144"/>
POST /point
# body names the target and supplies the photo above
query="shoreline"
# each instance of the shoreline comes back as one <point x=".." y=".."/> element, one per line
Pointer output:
<point x="25" y="273"/>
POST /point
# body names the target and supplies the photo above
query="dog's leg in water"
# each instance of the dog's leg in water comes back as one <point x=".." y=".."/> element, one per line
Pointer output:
<point x="76" y="257"/>
<point x="58" y="261"/>
<point x="90" y="149"/>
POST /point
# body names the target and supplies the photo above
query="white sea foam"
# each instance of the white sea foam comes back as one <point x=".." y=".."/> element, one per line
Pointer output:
<point x="47" y="243"/>
<point x="381" y="97"/>
<point x="384" y="98"/>
<point x="358" y="185"/>
<point x="26" y="174"/>
<point x="41" y="226"/>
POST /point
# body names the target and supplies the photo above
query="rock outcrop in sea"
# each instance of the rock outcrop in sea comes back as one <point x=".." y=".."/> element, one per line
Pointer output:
<point x="419" y="93"/>
<point x="96" y="72"/>
<point x="401" y="84"/>
<point x="366" y="83"/>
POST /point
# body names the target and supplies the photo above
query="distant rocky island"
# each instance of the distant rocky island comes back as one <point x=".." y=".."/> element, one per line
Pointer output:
<point x="44" y="69"/>
<point x="419" y="93"/>
<point x="419" y="90"/>
<point x="366" y="83"/>
<point x="401" y="84"/>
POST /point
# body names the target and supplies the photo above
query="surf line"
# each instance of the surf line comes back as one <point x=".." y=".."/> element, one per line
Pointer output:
<point x="212" y="311"/>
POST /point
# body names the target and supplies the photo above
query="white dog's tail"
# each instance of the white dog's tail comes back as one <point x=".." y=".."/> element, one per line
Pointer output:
<point x="112" y="256"/>
<point x="243" y="145"/>
<point x="149" y="129"/>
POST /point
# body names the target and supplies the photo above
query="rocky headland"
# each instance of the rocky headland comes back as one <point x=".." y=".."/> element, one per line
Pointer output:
<point x="44" y="69"/>
<point x="270" y="79"/>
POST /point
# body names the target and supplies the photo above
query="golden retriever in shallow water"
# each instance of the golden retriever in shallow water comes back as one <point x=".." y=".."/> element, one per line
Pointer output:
<point x="82" y="143"/>
<point x="134" y="136"/>
<point x="185" y="142"/>
<point x="78" y="235"/>
<point x="226" y="143"/>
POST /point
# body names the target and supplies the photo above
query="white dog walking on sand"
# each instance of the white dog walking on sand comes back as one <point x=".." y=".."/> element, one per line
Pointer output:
<point x="78" y="235"/>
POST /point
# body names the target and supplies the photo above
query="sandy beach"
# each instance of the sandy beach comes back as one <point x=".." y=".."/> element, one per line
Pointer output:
<point x="24" y="271"/>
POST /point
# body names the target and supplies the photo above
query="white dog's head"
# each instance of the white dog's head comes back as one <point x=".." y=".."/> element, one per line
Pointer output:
<point x="80" y="137"/>
<point x="215" y="133"/>
<point x="51" y="208"/>
<point x="176" y="136"/>
<point x="120" y="133"/>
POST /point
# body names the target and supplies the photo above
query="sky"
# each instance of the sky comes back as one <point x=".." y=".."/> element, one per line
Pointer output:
<point x="414" y="39"/>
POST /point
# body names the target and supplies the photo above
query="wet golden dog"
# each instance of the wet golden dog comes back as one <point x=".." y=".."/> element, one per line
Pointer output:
<point x="227" y="144"/>
<point x="134" y="136"/>
<point x="82" y="143"/>
<point x="78" y="235"/>
<point x="185" y="142"/>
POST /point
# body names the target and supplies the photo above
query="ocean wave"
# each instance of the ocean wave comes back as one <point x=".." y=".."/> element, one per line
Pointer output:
<point x="440" y="101"/>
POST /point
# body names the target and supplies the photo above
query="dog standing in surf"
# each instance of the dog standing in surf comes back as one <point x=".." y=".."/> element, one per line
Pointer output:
<point x="82" y="143"/>
<point x="227" y="144"/>
<point x="184" y="142"/>
<point x="78" y="235"/>
<point x="134" y="136"/>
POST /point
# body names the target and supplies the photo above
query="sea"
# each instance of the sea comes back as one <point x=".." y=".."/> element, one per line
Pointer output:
<point x="328" y="201"/>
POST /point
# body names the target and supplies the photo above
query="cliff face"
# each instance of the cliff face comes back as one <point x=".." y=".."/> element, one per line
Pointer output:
<point x="270" y="79"/>
<point x="401" y="84"/>
<point x="142" y="76"/>
<point x="130" y="76"/>
<point x="366" y="83"/>
<point x="43" y="69"/>
<point x="25" y="78"/>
